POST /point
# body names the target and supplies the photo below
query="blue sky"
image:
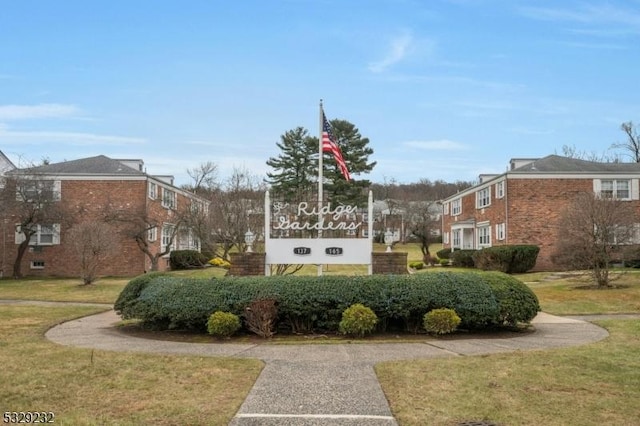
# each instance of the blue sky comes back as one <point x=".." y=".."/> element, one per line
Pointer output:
<point x="444" y="89"/>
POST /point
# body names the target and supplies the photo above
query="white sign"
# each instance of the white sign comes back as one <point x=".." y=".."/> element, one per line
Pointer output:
<point x="318" y="251"/>
<point x="285" y="223"/>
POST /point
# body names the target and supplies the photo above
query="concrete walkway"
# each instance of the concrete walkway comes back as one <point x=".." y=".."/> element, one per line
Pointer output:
<point x="325" y="384"/>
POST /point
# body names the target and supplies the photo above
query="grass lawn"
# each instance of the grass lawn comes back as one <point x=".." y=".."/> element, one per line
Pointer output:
<point x="104" y="290"/>
<point x="589" y="385"/>
<point x="82" y="386"/>
<point x="571" y="295"/>
<point x="597" y="384"/>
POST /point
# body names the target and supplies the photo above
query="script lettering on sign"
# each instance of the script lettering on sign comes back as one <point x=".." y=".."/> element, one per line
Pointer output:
<point x="304" y="210"/>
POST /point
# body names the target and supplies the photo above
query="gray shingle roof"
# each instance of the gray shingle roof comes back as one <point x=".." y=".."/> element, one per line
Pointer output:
<point x="558" y="164"/>
<point x="101" y="165"/>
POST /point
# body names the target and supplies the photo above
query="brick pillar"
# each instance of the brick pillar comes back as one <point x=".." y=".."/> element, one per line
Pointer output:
<point x="390" y="263"/>
<point x="247" y="264"/>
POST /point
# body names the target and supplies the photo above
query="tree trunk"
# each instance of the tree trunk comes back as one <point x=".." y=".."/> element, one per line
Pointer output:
<point x="22" y="248"/>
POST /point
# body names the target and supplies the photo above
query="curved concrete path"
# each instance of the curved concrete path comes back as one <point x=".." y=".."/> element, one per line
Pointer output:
<point x="324" y="384"/>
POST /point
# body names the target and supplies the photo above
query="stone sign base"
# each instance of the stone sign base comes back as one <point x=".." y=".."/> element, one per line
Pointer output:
<point x="247" y="264"/>
<point x="390" y="263"/>
<point x="254" y="263"/>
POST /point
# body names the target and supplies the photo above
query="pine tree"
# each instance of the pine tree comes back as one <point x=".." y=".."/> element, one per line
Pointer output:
<point x="356" y="152"/>
<point x="295" y="169"/>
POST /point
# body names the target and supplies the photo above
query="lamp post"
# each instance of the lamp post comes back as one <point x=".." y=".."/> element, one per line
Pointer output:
<point x="249" y="238"/>
<point x="388" y="240"/>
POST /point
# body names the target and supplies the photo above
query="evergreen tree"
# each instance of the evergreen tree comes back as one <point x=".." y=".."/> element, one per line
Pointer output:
<point x="295" y="169"/>
<point x="356" y="152"/>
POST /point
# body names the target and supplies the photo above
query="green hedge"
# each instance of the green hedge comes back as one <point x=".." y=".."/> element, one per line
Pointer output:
<point x="517" y="303"/>
<point x="511" y="259"/>
<point x="317" y="303"/>
<point x="445" y="253"/>
<point x="187" y="259"/>
<point x="463" y="258"/>
<point x="128" y="297"/>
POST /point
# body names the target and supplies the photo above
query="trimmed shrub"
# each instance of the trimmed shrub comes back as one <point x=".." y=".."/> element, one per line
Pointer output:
<point x="445" y="262"/>
<point x="358" y="320"/>
<point x="220" y="263"/>
<point x="463" y="258"/>
<point x="441" y="321"/>
<point x="511" y="259"/>
<point x="417" y="264"/>
<point x="517" y="303"/>
<point x="445" y="253"/>
<point x="223" y="324"/>
<point x="186" y="259"/>
<point x="261" y="316"/>
<point x="125" y="304"/>
<point x="306" y="303"/>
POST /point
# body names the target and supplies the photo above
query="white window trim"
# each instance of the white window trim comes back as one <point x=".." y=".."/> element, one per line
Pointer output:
<point x="152" y="190"/>
<point x="480" y="198"/>
<point x="170" y="227"/>
<point x="169" y="199"/>
<point x="634" y="192"/>
<point x="36" y="238"/>
<point x="32" y="264"/>
<point x="500" y="231"/>
<point x="483" y="231"/>
<point x="500" y="189"/>
<point x="152" y="234"/>
<point x="456" y="207"/>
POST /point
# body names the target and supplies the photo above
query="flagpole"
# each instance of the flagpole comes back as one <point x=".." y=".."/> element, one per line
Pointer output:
<point x="320" y="189"/>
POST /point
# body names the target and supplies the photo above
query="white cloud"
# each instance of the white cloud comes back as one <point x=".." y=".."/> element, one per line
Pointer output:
<point x="436" y="145"/>
<point x="28" y="112"/>
<point x="398" y="50"/>
<point x="588" y="14"/>
<point x="73" y="138"/>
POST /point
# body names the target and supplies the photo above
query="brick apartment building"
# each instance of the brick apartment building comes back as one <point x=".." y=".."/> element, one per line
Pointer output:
<point x="91" y="189"/>
<point x="524" y="205"/>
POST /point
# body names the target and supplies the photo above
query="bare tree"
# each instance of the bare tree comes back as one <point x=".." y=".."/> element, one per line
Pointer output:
<point x="32" y="201"/>
<point x="592" y="232"/>
<point x="632" y="144"/>
<point x="93" y="242"/>
<point x="204" y="176"/>
<point x="571" y="151"/>
<point x="423" y="223"/>
<point x="232" y="208"/>
<point x="139" y="225"/>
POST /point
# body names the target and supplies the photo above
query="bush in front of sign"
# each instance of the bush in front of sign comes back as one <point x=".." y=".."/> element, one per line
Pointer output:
<point x="223" y="324"/>
<point x="441" y="321"/>
<point x="310" y="304"/>
<point x="358" y="320"/>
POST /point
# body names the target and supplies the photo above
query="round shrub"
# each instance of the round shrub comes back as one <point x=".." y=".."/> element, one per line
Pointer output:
<point x="441" y="321"/>
<point x="444" y="262"/>
<point x="516" y="302"/>
<point x="223" y="324"/>
<point x="445" y="253"/>
<point x="358" y="320"/>
<point x="125" y="304"/>
<point x="418" y="264"/>
<point x="220" y="263"/>
<point x="186" y="259"/>
<point x="463" y="258"/>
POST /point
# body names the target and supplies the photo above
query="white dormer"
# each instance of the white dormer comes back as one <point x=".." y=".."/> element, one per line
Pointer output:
<point x="519" y="162"/>
<point x="135" y="164"/>
<point x="486" y="177"/>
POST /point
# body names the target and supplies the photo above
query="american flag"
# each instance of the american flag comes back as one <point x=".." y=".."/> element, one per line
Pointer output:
<point x="329" y="145"/>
